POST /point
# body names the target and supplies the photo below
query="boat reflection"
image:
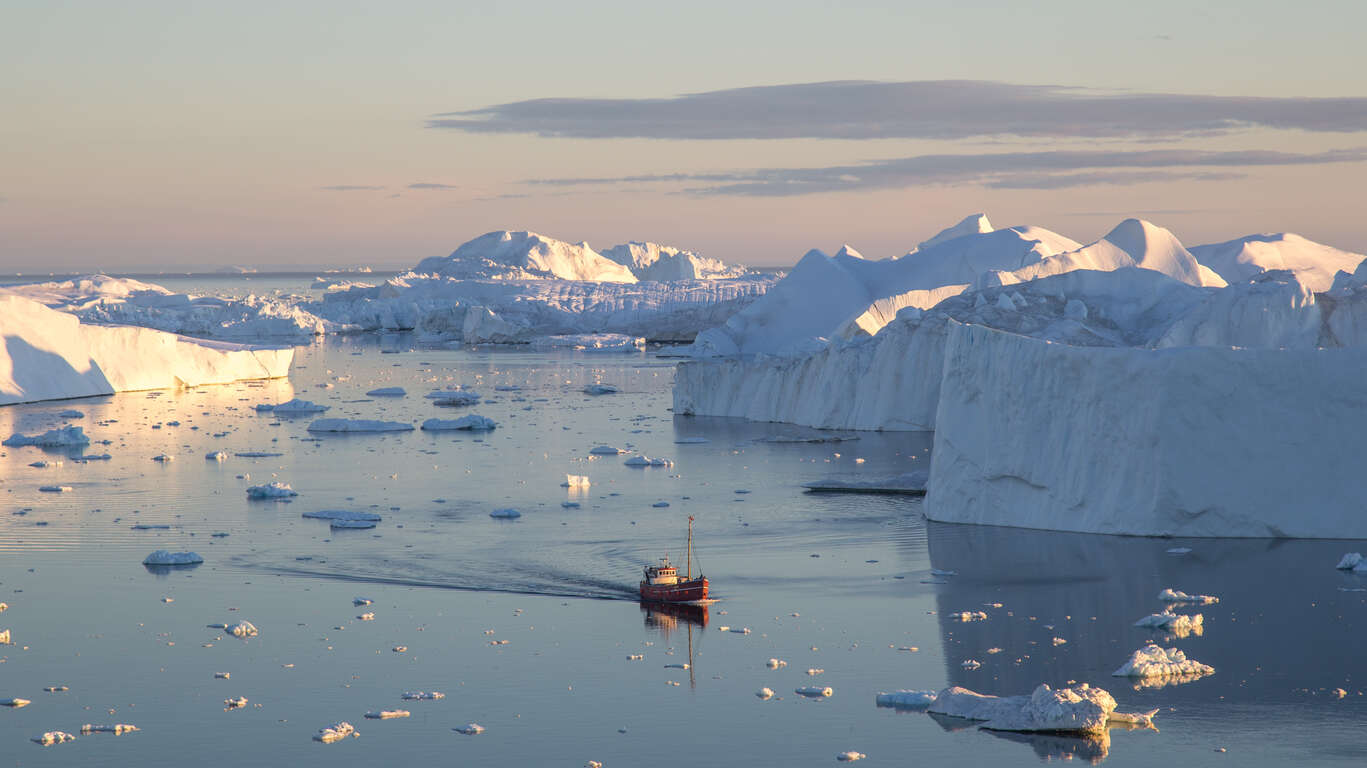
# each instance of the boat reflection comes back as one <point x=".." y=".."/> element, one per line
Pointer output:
<point x="665" y="619"/>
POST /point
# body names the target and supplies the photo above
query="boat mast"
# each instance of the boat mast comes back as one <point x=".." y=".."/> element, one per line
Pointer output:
<point x="688" y="567"/>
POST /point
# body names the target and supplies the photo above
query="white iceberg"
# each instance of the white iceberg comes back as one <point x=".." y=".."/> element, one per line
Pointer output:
<point x="167" y="557"/>
<point x="1179" y="624"/>
<point x="242" y="629"/>
<point x="1244" y="258"/>
<point x="471" y="423"/>
<point x="1170" y="595"/>
<point x="359" y="426"/>
<point x="387" y="392"/>
<point x="454" y="399"/>
<point x="526" y="255"/>
<point x="650" y="261"/>
<point x="1156" y="662"/>
<point x="54" y="737"/>
<point x="54" y="438"/>
<point x="423" y="695"/>
<point x="117" y="730"/>
<point x="274" y="490"/>
<point x="1079" y="710"/>
<point x="589" y="342"/>
<point x="646" y="461"/>
<point x="472" y="729"/>
<point x="605" y="450"/>
<point x="294" y="407"/>
<point x="387" y="714"/>
<point x="815" y="691"/>
<point x="335" y="732"/>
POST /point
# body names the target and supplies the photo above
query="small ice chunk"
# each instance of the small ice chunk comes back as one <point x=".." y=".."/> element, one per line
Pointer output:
<point x="15" y="703"/>
<point x="505" y="514"/>
<point x="605" y="450"/>
<point x="636" y="657"/>
<point x="576" y="481"/>
<point x="223" y="676"/>
<point x="359" y="601"/>
<point x="1350" y="562"/>
<point x="569" y="504"/>
<point x="814" y="671"/>
<point x="971" y="664"/>
<point x="850" y="756"/>
<point x="387" y="392"/>
<point x="470" y="729"/>
<point x="242" y="629"/>
<point x="423" y="695"/>
<point x="660" y="504"/>
<point x="216" y="456"/>
<point x="905" y="699"/>
<point x="274" y="490"/>
<point x="470" y="423"/>
<point x="815" y="691"/>
<point x="334" y="733"/>
<point x="1179" y="551"/>
<point x="1178" y="624"/>
<point x="969" y="616"/>
<point x="775" y="663"/>
<point x="367" y="616"/>
<point x="54" y="488"/>
<point x="295" y="406"/>
<point x="400" y="649"/>
<point x="342" y="514"/>
<point x="54" y="737"/>
<point x="1178" y="596"/>
<point x="676" y="666"/>
<point x="765" y="693"/>
<point x="1154" y="662"/>
<point x="352" y="525"/>
<point x="387" y="714"/>
<point x="163" y="457"/>
<point x="646" y="461"/>
<point x="359" y="425"/>
<point x="237" y="702"/>
<point x="738" y="630"/>
<point x="601" y="389"/>
<point x="54" y="438"/>
<point x="453" y="399"/>
<point x="117" y="730"/>
<point x="167" y="557"/>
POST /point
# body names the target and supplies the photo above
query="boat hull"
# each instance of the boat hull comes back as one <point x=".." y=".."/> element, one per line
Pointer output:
<point x="683" y="592"/>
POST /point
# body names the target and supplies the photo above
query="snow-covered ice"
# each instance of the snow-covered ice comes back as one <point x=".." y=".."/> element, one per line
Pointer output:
<point x="1179" y="624"/>
<point x="358" y="426"/>
<point x="606" y="450"/>
<point x="293" y="407"/>
<point x="54" y="737"/>
<point x="387" y="714"/>
<point x="336" y="732"/>
<point x="387" y="392"/>
<point x="118" y="729"/>
<point x="167" y="557"/>
<point x="1080" y="709"/>
<point x="1170" y="595"/>
<point x="1352" y="561"/>
<point x="646" y="461"/>
<point x="815" y="691"/>
<point x="470" y="729"/>
<point x="242" y="629"/>
<point x="54" y="438"/>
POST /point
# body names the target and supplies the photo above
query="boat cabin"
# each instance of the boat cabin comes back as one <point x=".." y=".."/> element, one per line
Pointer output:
<point x="662" y="574"/>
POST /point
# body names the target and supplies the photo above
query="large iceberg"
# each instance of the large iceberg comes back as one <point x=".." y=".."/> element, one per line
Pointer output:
<point x="526" y="256"/>
<point x="51" y="355"/>
<point x="1241" y="259"/>
<point x="650" y="261"/>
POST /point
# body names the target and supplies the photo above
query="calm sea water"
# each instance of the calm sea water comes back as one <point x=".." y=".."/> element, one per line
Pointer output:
<point x="838" y="583"/>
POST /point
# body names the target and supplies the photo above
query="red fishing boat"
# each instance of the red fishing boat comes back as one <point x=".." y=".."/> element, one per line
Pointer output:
<point x="661" y="583"/>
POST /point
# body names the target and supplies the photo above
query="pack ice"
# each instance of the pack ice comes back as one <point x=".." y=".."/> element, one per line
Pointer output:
<point x="50" y="355"/>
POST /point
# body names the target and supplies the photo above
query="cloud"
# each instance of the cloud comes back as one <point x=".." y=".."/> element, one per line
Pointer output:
<point x="928" y="109"/>
<point x="1054" y="169"/>
<point x="431" y="185"/>
<point x="351" y="188"/>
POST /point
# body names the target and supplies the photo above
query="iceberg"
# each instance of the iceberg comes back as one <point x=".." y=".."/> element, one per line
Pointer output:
<point x="53" y="438"/>
<point x="471" y="423"/>
<point x="646" y="461"/>
<point x="274" y="490"/>
<point x="1080" y="710"/>
<point x="1155" y="662"/>
<point x="1314" y="264"/>
<point x="342" y="514"/>
<point x="905" y="699"/>
<point x="651" y="261"/>
<point x="242" y="629"/>
<point x="526" y="256"/>
<point x="293" y="407"/>
<point x="50" y="355"/>
<point x="359" y="426"/>
<point x="167" y="557"/>
<point x="601" y="389"/>
<point x="387" y="392"/>
<point x="333" y="733"/>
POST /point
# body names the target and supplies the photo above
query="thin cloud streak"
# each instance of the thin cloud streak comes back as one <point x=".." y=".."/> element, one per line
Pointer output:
<point x="432" y="185"/>
<point x="1008" y="170"/>
<point x="352" y="188"/>
<point x="930" y="109"/>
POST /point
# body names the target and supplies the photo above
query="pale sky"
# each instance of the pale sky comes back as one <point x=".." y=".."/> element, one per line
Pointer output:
<point x="147" y="135"/>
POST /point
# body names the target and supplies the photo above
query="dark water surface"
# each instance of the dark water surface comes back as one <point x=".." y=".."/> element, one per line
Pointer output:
<point x="830" y="581"/>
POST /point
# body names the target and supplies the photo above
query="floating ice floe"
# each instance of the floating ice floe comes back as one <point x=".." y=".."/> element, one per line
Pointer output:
<point x="54" y="737"/>
<point x="1178" y="596"/>
<point x="850" y="756"/>
<point x="660" y="504"/>
<point x="601" y="389"/>
<point x="569" y="504"/>
<point x="765" y="693"/>
<point x="223" y="676"/>
<point x="646" y="461"/>
<point x="117" y="730"/>
<point x="359" y="601"/>
<point x="1178" y="624"/>
<point x="505" y="514"/>
<point x="775" y="663"/>
<point x="55" y="488"/>
<point x="294" y="407"/>
<point x="343" y="514"/>
<point x="1079" y="710"/>
<point x="258" y="454"/>
<point x="346" y="525"/>
<point x="576" y="481"/>
<point x="471" y="422"/>
<point x="472" y="729"/>
<point x="167" y="557"/>
<point x="367" y="616"/>
<point x="334" y="733"/>
<point x="15" y="703"/>
<point x="54" y="438"/>
<point x="359" y="425"/>
<point x="1353" y="561"/>
<point x="606" y="450"/>
<point x="216" y="456"/>
<point x="423" y="695"/>
<point x="815" y="691"/>
<point x="387" y="392"/>
<point x="5" y="637"/>
<point x="387" y="714"/>
<point x="163" y="457"/>
<point x="45" y="464"/>
<point x="242" y="629"/>
<point x="590" y="342"/>
<point x="454" y="399"/>
<point x="911" y="483"/>
<point x="969" y="616"/>
<point x="971" y="664"/>
<point x="1153" y="661"/>
<point x="905" y="699"/>
<point x="274" y="490"/>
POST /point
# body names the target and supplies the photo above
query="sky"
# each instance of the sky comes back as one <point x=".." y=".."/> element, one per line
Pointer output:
<point x="186" y="136"/>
